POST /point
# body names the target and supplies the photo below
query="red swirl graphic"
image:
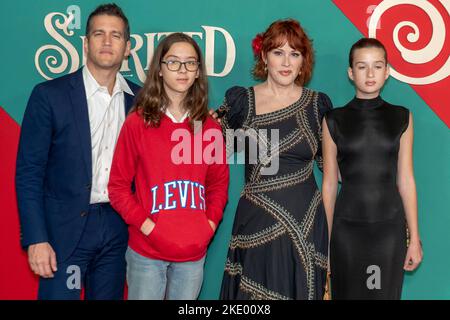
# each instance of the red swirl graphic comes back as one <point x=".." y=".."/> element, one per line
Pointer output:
<point x="421" y="55"/>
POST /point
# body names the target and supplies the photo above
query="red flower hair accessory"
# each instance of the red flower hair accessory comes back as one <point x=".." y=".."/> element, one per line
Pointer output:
<point x="257" y="44"/>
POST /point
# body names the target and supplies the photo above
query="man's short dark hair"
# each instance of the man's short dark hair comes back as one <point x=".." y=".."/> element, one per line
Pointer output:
<point x="110" y="9"/>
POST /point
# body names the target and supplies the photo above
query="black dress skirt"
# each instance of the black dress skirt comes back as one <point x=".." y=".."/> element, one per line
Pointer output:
<point x="279" y="243"/>
<point x="368" y="239"/>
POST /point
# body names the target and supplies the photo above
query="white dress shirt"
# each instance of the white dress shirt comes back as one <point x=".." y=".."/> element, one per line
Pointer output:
<point x="106" y="116"/>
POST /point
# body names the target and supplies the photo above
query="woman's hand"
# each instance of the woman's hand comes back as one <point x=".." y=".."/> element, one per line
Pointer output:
<point x="414" y="256"/>
<point x="214" y="115"/>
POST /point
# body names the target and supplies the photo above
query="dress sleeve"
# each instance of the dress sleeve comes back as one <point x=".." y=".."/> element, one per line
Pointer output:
<point x="324" y="105"/>
<point x="234" y="113"/>
<point x="234" y="110"/>
<point x="405" y="123"/>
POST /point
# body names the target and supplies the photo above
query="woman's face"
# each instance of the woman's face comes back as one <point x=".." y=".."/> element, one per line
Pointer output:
<point x="179" y="81"/>
<point x="283" y="64"/>
<point x="369" y="72"/>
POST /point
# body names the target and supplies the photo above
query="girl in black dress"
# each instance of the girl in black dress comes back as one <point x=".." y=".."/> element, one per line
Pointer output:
<point x="369" y="142"/>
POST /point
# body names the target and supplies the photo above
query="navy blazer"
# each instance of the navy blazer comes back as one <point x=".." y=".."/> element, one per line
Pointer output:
<point x="54" y="164"/>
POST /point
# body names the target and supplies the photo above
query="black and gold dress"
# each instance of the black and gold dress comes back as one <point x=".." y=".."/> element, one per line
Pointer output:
<point x="279" y="243"/>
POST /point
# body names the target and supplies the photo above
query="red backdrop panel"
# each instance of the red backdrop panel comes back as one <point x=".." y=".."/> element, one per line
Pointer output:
<point x="16" y="279"/>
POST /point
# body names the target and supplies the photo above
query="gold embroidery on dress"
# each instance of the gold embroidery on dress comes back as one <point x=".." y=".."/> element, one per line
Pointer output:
<point x="259" y="292"/>
<point x="280" y="182"/>
<point x="310" y="215"/>
<point x="257" y="239"/>
<point x="281" y="114"/>
<point x="256" y="185"/>
<point x="302" y="121"/>
<point x="254" y="289"/>
<point x="291" y="140"/>
<point x="292" y="227"/>
<point x="321" y="260"/>
<point x="318" y="157"/>
<point x="233" y="268"/>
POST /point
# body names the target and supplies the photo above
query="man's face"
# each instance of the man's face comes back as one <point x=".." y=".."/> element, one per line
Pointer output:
<point x="106" y="46"/>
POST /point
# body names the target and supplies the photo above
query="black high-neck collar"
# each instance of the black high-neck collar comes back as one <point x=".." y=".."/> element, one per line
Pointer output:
<point x="365" y="104"/>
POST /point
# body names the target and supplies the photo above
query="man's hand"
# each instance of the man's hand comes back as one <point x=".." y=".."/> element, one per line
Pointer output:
<point x="42" y="259"/>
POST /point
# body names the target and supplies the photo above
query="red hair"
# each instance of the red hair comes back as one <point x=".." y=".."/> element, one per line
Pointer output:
<point x="278" y="33"/>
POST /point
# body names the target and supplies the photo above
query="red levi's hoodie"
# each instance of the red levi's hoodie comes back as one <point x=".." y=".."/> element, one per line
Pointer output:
<point x="181" y="180"/>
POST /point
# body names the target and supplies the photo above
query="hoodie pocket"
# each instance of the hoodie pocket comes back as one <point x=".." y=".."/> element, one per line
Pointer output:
<point x="181" y="235"/>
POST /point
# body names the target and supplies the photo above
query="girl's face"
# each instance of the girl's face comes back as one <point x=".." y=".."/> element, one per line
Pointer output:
<point x="369" y="72"/>
<point x="283" y="64"/>
<point x="179" y="68"/>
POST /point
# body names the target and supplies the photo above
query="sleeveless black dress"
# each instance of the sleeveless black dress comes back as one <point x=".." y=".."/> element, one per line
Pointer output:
<point x="368" y="239"/>
<point x="279" y="243"/>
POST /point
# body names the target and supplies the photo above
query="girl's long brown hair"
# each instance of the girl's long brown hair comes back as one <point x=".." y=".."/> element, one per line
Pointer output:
<point x="152" y="98"/>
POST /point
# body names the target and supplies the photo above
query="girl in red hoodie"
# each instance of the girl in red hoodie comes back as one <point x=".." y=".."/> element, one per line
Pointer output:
<point x="171" y="153"/>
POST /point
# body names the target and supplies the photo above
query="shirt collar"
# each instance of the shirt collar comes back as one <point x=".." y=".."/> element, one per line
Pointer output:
<point x="170" y="115"/>
<point x="92" y="86"/>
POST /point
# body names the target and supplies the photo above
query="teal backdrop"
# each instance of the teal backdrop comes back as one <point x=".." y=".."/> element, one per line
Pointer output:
<point x="23" y="34"/>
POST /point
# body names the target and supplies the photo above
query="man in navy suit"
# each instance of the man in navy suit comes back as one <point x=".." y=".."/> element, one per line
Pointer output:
<point x="73" y="236"/>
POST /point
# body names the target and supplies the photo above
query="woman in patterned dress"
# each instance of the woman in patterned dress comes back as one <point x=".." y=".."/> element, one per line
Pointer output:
<point x="279" y="243"/>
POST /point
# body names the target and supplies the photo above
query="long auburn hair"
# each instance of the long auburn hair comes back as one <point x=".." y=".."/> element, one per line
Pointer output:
<point x="153" y="99"/>
<point x="276" y="35"/>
